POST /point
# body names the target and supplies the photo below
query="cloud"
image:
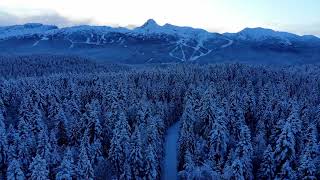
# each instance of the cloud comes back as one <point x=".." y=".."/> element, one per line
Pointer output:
<point x="308" y="28"/>
<point x="53" y="18"/>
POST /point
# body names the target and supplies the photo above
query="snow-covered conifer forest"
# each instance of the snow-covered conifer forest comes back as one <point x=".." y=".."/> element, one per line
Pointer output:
<point x="64" y="118"/>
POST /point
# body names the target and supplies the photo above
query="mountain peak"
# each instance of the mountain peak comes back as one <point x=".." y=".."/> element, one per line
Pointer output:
<point x="150" y="23"/>
<point x="259" y="34"/>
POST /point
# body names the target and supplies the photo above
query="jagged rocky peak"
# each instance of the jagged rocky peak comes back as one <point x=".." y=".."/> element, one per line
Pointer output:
<point x="150" y="24"/>
<point x="149" y="27"/>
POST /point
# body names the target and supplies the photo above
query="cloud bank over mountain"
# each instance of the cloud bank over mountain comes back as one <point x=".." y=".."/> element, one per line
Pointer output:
<point x="45" y="18"/>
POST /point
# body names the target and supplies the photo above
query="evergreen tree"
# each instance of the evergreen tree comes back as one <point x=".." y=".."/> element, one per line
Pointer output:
<point x="235" y="118"/>
<point x="3" y="142"/>
<point x="126" y="174"/>
<point x="14" y="171"/>
<point x="66" y="169"/>
<point x="25" y="146"/>
<point x="44" y="146"/>
<point x="307" y="168"/>
<point x="189" y="166"/>
<point x="74" y="115"/>
<point x="309" y="159"/>
<point x="136" y="158"/>
<point x="61" y="128"/>
<point x="259" y="140"/>
<point x="267" y="166"/>
<point x="244" y="151"/>
<point x="235" y="171"/>
<point x="207" y="112"/>
<point x="94" y="130"/>
<point x="218" y="140"/>
<point x="84" y="167"/>
<point x="286" y="172"/>
<point x="55" y="157"/>
<point x="151" y="169"/>
<point x="187" y="137"/>
<point x="13" y="140"/>
<point x="119" y="148"/>
<point x="285" y="147"/>
<point x="94" y="126"/>
<point x="39" y="168"/>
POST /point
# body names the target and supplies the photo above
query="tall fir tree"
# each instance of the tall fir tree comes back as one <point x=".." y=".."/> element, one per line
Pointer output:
<point x="218" y="140"/>
<point x="84" y="166"/>
<point x="61" y="128"/>
<point x="119" y="148"/>
<point x="285" y="148"/>
<point x="3" y="142"/>
<point x="136" y="157"/>
<point x="267" y="166"/>
<point x="14" y="171"/>
<point x="151" y="164"/>
<point x="66" y="169"/>
<point x="39" y="168"/>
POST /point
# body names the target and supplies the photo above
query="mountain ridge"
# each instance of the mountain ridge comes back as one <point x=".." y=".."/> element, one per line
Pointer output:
<point x="153" y="43"/>
<point x="151" y="26"/>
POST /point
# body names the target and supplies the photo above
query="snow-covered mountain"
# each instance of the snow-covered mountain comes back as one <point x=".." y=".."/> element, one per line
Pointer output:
<point x="25" y="30"/>
<point x="151" y="43"/>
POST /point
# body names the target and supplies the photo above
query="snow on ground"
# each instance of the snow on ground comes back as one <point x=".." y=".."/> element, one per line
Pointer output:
<point x="170" y="169"/>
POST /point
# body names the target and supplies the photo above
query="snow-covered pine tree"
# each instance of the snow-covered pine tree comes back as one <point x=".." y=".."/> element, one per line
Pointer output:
<point x="26" y="144"/>
<point x="286" y="172"/>
<point x="94" y="125"/>
<point x="84" y="166"/>
<point x="136" y="154"/>
<point x="55" y="157"/>
<point x="187" y="136"/>
<point x="206" y="112"/>
<point x="189" y="166"/>
<point x="154" y="133"/>
<point x="74" y="113"/>
<point x="267" y="166"/>
<point x="3" y="142"/>
<point x="13" y="140"/>
<point x="218" y="140"/>
<point x="235" y="171"/>
<point x="39" y="168"/>
<point x="309" y="162"/>
<point x="44" y="146"/>
<point x="66" y="169"/>
<point x="259" y="142"/>
<point x="151" y="163"/>
<point x="285" y="148"/>
<point x="119" y="148"/>
<point x="14" y="171"/>
<point x="61" y="127"/>
<point x="235" y="118"/>
<point x="244" y="151"/>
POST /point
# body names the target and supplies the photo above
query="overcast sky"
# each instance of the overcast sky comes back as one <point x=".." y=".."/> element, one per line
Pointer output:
<point x="298" y="16"/>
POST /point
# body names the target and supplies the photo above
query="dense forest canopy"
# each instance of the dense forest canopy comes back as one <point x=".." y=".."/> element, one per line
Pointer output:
<point x="65" y="117"/>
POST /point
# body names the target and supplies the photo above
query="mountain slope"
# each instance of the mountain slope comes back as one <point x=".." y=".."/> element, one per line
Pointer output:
<point x="152" y="43"/>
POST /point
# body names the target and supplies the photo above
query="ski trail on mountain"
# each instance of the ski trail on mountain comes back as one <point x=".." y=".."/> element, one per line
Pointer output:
<point x="228" y="44"/>
<point x="170" y="169"/>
